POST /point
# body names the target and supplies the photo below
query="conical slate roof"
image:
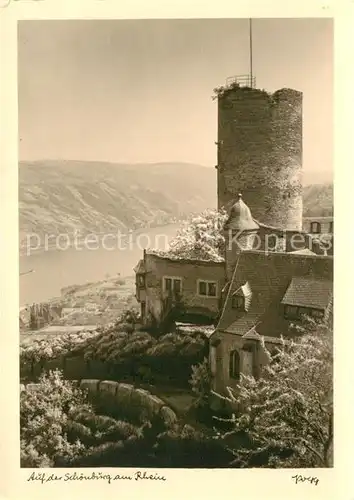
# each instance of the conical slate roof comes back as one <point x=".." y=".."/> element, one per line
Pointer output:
<point x="240" y="218"/>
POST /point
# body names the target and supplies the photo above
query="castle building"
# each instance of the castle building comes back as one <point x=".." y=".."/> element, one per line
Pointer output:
<point x="267" y="293"/>
<point x="273" y="273"/>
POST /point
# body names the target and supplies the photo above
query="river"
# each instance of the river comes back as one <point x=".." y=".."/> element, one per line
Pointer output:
<point x="54" y="269"/>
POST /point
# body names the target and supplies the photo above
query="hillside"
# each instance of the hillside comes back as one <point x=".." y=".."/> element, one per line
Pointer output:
<point x="64" y="196"/>
<point x="67" y="196"/>
<point x="318" y="200"/>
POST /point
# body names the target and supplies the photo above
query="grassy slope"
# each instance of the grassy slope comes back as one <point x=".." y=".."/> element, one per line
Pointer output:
<point x="318" y="200"/>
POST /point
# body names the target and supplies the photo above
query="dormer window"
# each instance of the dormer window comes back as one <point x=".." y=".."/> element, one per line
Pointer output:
<point x="238" y="302"/>
<point x="307" y="296"/>
<point x="241" y="298"/>
<point x="297" y="312"/>
<point x="291" y="312"/>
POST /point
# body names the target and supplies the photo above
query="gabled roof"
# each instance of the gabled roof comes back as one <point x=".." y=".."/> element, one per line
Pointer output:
<point x="269" y="276"/>
<point x="252" y="334"/>
<point x="309" y="292"/>
<point x="140" y="267"/>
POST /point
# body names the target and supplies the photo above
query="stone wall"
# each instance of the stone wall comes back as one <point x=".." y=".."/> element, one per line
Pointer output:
<point x="260" y="153"/>
<point x="117" y="399"/>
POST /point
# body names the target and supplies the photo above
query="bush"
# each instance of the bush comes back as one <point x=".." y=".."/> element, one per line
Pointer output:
<point x="44" y="417"/>
<point x="184" y="446"/>
<point x="59" y="426"/>
<point x="201" y="237"/>
<point x="287" y="414"/>
<point x="201" y="382"/>
<point x="42" y="350"/>
<point x="127" y="355"/>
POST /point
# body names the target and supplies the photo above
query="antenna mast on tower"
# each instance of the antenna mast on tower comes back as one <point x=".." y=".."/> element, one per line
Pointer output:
<point x="251" y="61"/>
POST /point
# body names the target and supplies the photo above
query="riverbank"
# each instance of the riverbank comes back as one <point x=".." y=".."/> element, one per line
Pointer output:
<point x="57" y="269"/>
<point x="85" y="307"/>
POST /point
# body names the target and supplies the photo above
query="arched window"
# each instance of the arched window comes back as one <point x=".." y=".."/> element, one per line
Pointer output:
<point x="315" y="227"/>
<point x="234" y="368"/>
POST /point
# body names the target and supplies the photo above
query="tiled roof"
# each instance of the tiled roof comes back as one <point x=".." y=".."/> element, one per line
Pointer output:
<point x="269" y="276"/>
<point x="309" y="292"/>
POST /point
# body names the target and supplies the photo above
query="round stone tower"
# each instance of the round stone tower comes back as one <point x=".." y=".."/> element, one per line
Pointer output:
<point x="260" y="153"/>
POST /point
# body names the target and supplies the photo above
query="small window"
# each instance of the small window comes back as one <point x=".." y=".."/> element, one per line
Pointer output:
<point x="330" y="230"/>
<point x="291" y="312"/>
<point x="207" y="288"/>
<point x="176" y="285"/>
<point x="141" y="280"/>
<point x="172" y="284"/>
<point x="315" y="228"/>
<point x="297" y="312"/>
<point x="234" y="367"/>
<point x="238" y="302"/>
<point x="212" y="289"/>
<point x="202" y="288"/>
<point x="303" y="311"/>
<point x="317" y="313"/>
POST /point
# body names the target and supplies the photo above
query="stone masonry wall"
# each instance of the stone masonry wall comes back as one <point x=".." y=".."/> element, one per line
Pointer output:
<point x="190" y="272"/>
<point x="260" y="154"/>
<point x="115" y="398"/>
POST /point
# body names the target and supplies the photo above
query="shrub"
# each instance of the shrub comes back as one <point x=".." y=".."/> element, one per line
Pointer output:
<point x="200" y="237"/>
<point x="44" y="416"/>
<point x="42" y="350"/>
<point x="201" y="382"/>
<point x="59" y="426"/>
<point x="288" y="413"/>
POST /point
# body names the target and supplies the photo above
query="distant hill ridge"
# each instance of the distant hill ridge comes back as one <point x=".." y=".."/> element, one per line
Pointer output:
<point x="58" y="196"/>
<point x="64" y="196"/>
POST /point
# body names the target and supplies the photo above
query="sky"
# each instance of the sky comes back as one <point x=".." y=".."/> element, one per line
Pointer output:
<point x="132" y="91"/>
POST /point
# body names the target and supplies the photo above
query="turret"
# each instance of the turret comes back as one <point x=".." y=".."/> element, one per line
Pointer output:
<point x="240" y="231"/>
